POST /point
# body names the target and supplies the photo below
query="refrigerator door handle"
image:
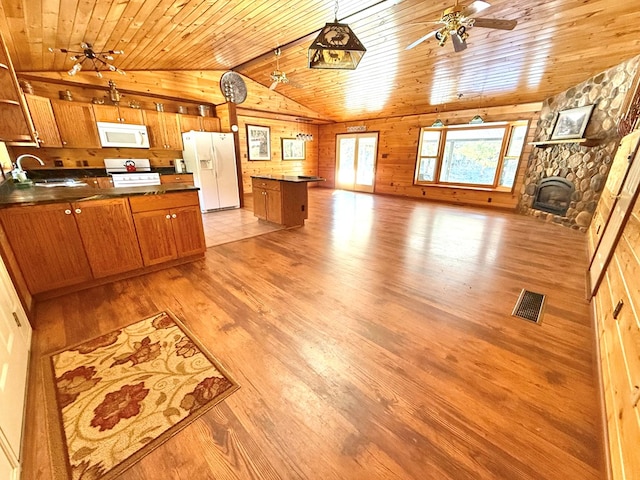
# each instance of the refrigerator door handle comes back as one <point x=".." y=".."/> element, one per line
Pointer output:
<point x="214" y="156"/>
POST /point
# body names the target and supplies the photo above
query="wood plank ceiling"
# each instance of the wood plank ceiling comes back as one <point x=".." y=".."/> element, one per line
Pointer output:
<point x="555" y="45"/>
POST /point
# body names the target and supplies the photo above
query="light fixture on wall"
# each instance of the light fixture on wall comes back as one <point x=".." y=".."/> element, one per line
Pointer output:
<point x="438" y="123"/>
<point x="336" y="47"/>
<point x="305" y="137"/>
<point x="476" y="120"/>
<point x="97" y="59"/>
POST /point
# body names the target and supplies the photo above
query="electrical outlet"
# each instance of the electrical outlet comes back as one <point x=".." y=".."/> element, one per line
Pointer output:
<point x="85" y="163"/>
<point x="58" y="163"/>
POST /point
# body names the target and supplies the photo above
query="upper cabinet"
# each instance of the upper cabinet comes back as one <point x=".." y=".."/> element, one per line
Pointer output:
<point x="117" y="114"/>
<point x="164" y="130"/>
<point x="76" y="123"/>
<point x="16" y="127"/>
<point x="199" y="124"/>
<point x="44" y="121"/>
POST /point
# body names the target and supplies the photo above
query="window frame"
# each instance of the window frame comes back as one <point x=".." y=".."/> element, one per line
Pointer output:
<point x="509" y="128"/>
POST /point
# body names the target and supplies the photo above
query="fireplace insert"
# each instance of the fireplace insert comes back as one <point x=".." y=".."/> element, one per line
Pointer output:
<point x="553" y="195"/>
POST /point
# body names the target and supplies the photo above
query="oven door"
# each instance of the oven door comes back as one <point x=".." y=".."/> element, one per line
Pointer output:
<point x="123" y="135"/>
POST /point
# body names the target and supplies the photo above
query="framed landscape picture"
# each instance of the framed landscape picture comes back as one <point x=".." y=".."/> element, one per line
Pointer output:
<point x="258" y="143"/>
<point x="292" y="149"/>
<point x="571" y="123"/>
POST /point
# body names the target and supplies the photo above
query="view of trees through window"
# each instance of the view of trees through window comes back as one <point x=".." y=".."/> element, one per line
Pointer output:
<point x="471" y="155"/>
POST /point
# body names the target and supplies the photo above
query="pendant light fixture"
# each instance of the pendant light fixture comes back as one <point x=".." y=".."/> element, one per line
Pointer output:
<point x="336" y="47"/>
<point x="97" y="59"/>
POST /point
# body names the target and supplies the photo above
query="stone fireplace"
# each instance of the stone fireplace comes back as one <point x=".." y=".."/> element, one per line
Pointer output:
<point x="562" y="181"/>
<point x="553" y="195"/>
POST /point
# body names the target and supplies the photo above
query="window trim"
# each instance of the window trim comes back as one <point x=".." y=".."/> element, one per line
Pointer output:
<point x="509" y="127"/>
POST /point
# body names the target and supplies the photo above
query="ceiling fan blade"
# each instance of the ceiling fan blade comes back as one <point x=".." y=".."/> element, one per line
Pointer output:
<point x="458" y="43"/>
<point x="475" y="7"/>
<point x="273" y="85"/>
<point x="421" y="39"/>
<point x="495" y="23"/>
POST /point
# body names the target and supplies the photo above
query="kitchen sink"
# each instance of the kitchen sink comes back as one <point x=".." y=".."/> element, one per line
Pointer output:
<point x="59" y="182"/>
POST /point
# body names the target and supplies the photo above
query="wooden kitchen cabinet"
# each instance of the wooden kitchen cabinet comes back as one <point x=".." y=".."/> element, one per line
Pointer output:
<point x="44" y="121"/>
<point x="62" y="244"/>
<point x="47" y="245"/>
<point x="185" y="178"/>
<point x="16" y="127"/>
<point x="169" y="226"/>
<point x="109" y="237"/>
<point x="282" y="202"/>
<point x="164" y="130"/>
<point x="76" y="123"/>
<point x="199" y="123"/>
<point x="117" y="114"/>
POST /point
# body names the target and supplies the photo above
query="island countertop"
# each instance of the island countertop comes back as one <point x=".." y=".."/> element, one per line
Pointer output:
<point x="290" y="178"/>
<point x="11" y="195"/>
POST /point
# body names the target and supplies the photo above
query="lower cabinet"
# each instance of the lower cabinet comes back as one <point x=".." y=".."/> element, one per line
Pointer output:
<point x="169" y="226"/>
<point x="63" y="244"/>
<point x="280" y="202"/>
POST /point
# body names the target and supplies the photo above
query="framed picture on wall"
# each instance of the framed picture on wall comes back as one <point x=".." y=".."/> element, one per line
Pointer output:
<point x="571" y="123"/>
<point x="258" y="143"/>
<point x="292" y="149"/>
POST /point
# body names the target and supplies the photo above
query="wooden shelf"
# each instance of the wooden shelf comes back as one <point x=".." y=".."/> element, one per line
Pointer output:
<point x="585" y="141"/>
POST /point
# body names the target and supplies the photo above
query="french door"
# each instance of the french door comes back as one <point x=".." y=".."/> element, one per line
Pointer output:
<point x="356" y="156"/>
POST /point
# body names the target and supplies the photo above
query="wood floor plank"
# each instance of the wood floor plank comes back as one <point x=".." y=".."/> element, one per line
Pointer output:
<point x="375" y="342"/>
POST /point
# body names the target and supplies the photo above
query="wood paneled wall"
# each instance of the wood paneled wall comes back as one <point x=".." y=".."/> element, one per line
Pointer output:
<point x="398" y="148"/>
<point x="619" y="349"/>
<point x="279" y="129"/>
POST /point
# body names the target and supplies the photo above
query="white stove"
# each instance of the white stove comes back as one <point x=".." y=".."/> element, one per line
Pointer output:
<point x="131" y="172"/>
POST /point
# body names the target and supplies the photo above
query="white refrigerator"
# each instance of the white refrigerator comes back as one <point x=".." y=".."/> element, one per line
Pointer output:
<point x="211" y="157"/>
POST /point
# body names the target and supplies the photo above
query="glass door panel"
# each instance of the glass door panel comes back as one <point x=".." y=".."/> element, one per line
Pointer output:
<point x="356" y="161"/>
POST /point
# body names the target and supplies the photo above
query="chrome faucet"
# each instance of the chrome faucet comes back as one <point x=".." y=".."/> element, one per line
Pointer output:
<point x="18" y="173"/>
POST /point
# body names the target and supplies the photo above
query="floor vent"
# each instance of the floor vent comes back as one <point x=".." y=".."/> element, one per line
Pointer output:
<point x="529" y="306"/>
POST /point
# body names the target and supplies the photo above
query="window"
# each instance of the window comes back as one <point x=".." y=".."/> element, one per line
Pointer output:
<point x="473" y="156"/>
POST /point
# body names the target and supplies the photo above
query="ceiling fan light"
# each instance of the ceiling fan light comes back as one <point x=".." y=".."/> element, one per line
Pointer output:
<point x="336" y="47"/>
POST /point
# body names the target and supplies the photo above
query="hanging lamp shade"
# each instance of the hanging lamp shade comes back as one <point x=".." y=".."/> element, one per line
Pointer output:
<point x="336" y="47"/>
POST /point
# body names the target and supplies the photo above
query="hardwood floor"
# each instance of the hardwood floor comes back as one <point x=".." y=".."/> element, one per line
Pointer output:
<point x="376" y="342"/>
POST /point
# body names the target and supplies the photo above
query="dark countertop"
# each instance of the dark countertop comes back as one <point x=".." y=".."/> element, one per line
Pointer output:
<point x="48" y="173"/>
<point x="11" y="195"/>
<point x="290" y="178"/>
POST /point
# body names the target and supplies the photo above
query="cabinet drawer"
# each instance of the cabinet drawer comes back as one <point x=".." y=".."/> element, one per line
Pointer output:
<point x="177" y="178"/>
<point x="148" y="203"/>
<point x="267" y="184"/>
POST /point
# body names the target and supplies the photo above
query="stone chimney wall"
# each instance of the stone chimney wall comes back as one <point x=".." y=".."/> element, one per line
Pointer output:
<point x="586" y="167"/>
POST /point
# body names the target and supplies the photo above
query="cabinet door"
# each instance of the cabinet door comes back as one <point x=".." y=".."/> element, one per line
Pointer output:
<point x="274" y="206"/>
<point x="260" y="202"/>
<point x="188" y="231"/>
<point x="131" y="115"/>
<point x="15" y="344"/>
<point x="211" y="124"/>
<point x="47" y="245"/>
<point x="154" y="129"/>
<point x="155" y="236"/>
<point x="44" y="121"/>
<point x="190" y="122"/>
<point x="108" y="235"/>
<point x="76" y="123"/>
<point x="15" y="122"/>
<point x="172" y="134"/>
<point x="106" y="113"/>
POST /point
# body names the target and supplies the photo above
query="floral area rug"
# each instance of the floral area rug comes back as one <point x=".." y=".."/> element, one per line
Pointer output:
<point x="113" y="399"/>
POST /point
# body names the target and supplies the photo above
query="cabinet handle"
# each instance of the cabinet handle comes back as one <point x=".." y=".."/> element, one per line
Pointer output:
<point x="174" y="216"/>
<point x="15" y="317"/>
<point x="167" y="216"/>
<point x="78" y="210"/>
<point x="67" y="212"/>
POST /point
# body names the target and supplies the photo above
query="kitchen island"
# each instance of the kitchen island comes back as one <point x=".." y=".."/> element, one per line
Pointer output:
<point x="61" y="239"/>
<point x="282" y="199"/>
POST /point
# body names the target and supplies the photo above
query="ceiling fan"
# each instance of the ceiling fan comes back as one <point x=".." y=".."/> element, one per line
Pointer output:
<point x="456" y="20"/>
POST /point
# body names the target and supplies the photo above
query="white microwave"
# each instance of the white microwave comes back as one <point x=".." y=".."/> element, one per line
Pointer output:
<point x="123" y="135"/>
